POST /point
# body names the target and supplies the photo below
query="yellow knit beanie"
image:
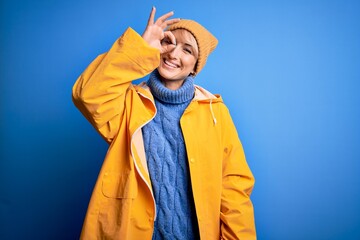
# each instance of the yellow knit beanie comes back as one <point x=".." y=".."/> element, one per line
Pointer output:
<point x="205" y="40"/>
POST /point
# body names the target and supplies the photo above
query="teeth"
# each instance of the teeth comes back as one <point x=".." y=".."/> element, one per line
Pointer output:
<point x="170" y="64"/>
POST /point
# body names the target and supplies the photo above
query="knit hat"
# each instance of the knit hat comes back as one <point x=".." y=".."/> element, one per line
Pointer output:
<point x="205" y="40"/>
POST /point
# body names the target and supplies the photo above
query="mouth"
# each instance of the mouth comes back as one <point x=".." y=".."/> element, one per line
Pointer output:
<point x="170" y="64"/>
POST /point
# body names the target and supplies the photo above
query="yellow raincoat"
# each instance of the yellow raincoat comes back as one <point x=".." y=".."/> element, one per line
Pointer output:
<point x="122" y="204"/>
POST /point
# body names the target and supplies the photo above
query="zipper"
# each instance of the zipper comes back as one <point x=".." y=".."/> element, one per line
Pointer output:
<point x="132" y="154"/>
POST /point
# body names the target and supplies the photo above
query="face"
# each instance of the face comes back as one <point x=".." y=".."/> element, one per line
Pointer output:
<point x="180" y="62"/>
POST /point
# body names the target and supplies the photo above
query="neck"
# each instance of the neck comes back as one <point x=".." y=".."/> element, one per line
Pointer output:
<point x="173" y="92"/>
<point x="172" y="84"/>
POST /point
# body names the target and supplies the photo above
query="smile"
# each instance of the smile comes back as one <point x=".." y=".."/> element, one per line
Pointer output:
<point x="170" y="64"/>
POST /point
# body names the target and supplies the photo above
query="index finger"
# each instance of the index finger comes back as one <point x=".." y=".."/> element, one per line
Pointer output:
<point x="170" y="36"/>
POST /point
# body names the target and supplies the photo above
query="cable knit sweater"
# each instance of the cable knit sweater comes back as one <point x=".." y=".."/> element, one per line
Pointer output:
<point x="168" y="163"/>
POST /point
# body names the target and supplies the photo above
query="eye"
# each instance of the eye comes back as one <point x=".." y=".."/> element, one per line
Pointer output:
<point x="166" y="41"/>
<point x="187" y="50"/>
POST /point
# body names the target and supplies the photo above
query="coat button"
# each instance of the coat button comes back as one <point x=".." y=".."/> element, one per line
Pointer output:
<point x="192" y="160"/>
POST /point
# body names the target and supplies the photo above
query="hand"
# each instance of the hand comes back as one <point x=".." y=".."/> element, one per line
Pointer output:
<point x="154" y="32"/>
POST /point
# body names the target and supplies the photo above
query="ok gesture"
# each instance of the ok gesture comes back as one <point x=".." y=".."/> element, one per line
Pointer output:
<point x="154" y="32"/>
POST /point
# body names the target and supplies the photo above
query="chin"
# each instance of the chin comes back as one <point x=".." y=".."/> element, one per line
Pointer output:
<point x="167" y="75"/>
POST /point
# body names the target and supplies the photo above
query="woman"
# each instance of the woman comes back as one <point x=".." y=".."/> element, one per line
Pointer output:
<point x="175" y="168"/>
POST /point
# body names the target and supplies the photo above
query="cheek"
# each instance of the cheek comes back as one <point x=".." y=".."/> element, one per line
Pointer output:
<point x="191" y="61"/>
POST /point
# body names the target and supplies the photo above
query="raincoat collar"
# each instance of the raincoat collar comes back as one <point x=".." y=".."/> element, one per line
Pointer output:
<point x="201" y="94"/>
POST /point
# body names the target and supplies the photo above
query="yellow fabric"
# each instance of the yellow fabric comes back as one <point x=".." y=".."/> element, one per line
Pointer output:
<point x="205" y="40"/>
<point x="122" y="204"/>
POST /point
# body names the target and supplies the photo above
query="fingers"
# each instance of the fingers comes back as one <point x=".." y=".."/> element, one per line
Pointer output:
<point x="152" y="16"/>
<point x="163" y="18"/>
<point x="164" y="22"/>
<point x="172" y="21"/>
<point x="170" y="42"/>
<point x="169" y="22"/>
<point x="169" y="35"/>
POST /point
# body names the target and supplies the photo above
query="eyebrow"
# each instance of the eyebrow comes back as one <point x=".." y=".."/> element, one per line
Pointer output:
<point x="188" y="44"/>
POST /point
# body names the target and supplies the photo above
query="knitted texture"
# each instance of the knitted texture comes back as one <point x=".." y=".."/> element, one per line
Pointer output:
<point x="167" y="163"/>
<point x="205" y="40"/>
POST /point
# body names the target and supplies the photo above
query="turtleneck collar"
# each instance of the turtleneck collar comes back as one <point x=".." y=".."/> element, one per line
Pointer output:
<point x="184" y="94"/>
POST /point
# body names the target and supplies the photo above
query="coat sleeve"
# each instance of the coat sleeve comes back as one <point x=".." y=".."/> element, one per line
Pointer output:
<point x="236" y="213"/>
<point x="99" y="92"/>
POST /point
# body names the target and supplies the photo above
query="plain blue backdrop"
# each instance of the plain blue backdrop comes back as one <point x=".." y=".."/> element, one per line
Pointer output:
<point x="289" y="72"/>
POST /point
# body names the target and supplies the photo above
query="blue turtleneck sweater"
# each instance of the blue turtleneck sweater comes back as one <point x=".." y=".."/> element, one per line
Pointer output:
<point x="168" y="164"/>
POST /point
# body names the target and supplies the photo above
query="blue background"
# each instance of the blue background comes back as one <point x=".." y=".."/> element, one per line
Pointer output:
<point x="289" y="72"/>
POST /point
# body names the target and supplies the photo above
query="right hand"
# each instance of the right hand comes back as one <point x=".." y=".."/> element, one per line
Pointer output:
<point x="154" y="32"/>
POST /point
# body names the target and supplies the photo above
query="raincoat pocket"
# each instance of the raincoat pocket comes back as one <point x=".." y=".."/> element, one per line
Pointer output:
<point x="119" y="185"/>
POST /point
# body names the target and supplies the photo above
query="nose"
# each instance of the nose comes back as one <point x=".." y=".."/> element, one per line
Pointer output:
<point x="174" y="53"/>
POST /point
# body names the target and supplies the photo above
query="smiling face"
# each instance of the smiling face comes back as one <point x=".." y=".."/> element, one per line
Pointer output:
<point x="180" y="62"/>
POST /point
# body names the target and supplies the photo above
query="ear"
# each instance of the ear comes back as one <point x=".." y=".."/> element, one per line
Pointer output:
<point x="193" y="72"/>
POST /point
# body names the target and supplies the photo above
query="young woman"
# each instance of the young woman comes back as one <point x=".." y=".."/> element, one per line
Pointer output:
<point x="175" y="168"/>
